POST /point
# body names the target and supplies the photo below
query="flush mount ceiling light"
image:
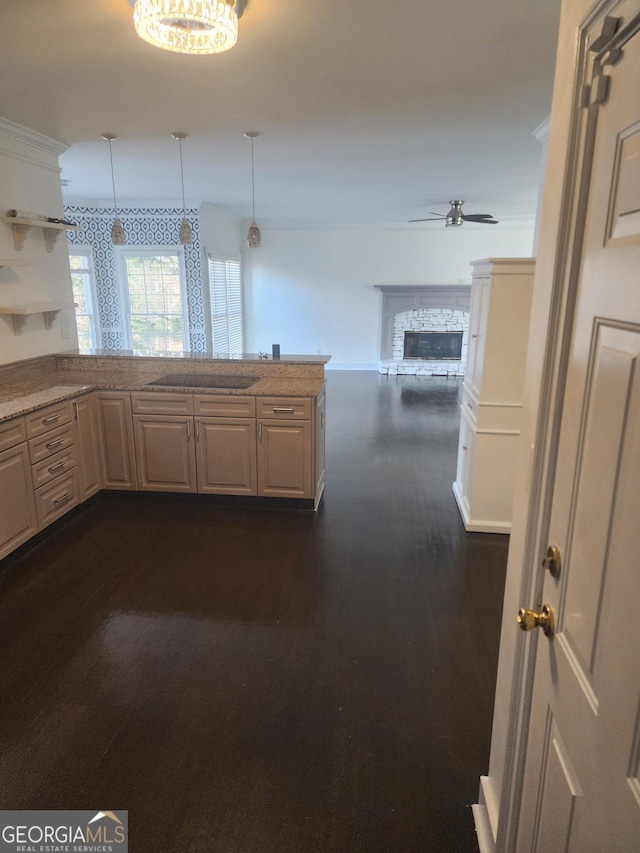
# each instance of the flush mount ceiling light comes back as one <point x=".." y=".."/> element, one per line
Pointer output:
<point x="117" y="231"/>
<point x="254" y="238"/>
<point x="185" y="233"/>
<point x="187" y="26"/>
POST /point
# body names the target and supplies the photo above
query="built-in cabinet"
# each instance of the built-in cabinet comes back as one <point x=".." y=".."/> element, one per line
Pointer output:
<point x="88" y="446"/>
<point x="115" y="431"/>
<point x="231" y="446"/>
<point x="492" y="392"/>
<point x="58" y="456"/>
<point x="18" y="521"/>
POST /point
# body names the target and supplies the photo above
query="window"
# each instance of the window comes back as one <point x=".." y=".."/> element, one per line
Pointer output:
<point x="154" y="299"/>
<point x="83" y="284"/>
<point x="225" y="294"/>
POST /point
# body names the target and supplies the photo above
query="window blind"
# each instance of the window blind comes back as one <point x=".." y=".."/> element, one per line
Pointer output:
<point x="225" y="293"/>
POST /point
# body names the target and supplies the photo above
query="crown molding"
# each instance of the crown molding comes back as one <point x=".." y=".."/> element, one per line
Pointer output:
<point x="32" y="137"/>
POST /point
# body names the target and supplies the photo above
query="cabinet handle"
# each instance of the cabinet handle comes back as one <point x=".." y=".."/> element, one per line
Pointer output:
<point x="260" y="431"/>
<point x="470" y="405"/>
<point x="188" y="429"/>
<point x="321" y="420"/>
<point x="464" y="447"/>
<point x="77" y="410"/>
<point x="52" y="419"/>
<point x="283" y="410"/>
<point x="474" y="336"/>
<point x="197" y="430"/>
<point x="62" y="500"/>
<point x="57" y="466"/>
<point x="54" y="443"/>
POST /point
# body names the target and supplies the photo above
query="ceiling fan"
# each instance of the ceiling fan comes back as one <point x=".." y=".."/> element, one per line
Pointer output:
<point x="456" y="217"/>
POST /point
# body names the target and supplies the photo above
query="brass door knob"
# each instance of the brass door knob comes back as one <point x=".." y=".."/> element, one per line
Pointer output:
<point x="552" y="561"/>
<point x="529" y="619"/>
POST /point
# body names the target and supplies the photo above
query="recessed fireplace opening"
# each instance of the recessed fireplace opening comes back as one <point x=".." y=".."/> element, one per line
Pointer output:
<point x="433" y="346"/>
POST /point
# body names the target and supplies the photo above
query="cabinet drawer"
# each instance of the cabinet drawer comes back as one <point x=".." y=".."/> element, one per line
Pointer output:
<point x="56" y="498"/>
<point x="161" y="404"/>
<point x="50" y="443"/>
<point x="53" y="467"/>
<point x="11" y="433"/>
<point x="290" y="408"/>
<point x="226" y="406"/>
<point x="48" y="418"/>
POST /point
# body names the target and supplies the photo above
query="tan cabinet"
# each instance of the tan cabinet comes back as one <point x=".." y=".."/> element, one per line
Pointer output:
<point x="210" y="455"/>
<point x="115" y="431"/>
<point x="320" y="418"/>
<point x="87" y="446"/>
<point x="285" y="460"/>
<point x="226" y="456"/>
<point x="18" y="521"/>
<point x="165" y="455"/>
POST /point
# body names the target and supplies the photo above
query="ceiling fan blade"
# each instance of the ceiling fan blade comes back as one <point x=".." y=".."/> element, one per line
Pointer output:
<point x="471" y="216"/>
<point x="481" y="221"/>
<point x="436" y="219"/>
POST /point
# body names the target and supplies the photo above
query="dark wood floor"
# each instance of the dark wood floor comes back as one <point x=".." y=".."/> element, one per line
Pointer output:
<point x="252" y="681"/>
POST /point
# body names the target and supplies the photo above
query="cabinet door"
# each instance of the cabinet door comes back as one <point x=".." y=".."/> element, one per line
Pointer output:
<point x="87" y="446"/>
<point x="285" y="461"/>
<point x="226" y="456"/>
<point x="17" y="506"/>
<point x="477" y="334"/>
<point x="165" y="453"/>
<point x="113" y="411"/>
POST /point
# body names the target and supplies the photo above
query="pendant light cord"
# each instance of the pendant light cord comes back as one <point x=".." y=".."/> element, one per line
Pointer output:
<point x="253" y="186"/>
<point x="113" y="181"/>
<point x="184" y="209"/>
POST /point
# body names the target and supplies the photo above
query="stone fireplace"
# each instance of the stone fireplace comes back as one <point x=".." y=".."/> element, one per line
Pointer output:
<point x="420" y="311"/>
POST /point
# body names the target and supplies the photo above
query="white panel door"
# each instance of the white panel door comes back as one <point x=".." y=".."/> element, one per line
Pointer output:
<point x="582" y="777"/>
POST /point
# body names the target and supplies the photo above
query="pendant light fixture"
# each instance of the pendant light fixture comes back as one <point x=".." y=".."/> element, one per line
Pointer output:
<point x="117" y="231"/>
<point x="185" y="233"/>
<point x="187" y="26"/>
<point x="254" y="238"/>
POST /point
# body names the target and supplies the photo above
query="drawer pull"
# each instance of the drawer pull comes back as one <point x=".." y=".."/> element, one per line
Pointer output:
<point x="260" y="431"/>
<point x="52" y="419"/>
<point x="62" y="500"/>
<point x="283" y="410"/>
<point x="57" y="466"/>
<point x="56" y="443"/>
<point x="464" y="447"/>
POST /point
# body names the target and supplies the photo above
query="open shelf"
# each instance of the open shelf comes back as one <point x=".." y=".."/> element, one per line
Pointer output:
<point x="19" y="313"/>
<point x="20" y="225"/>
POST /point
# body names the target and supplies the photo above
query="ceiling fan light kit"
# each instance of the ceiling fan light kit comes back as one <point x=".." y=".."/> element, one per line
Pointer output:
<point x="455" y="217"/>
<point x="187" y="26"/>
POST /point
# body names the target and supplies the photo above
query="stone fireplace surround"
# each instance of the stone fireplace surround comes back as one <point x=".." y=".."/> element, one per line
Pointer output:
<point x="426" y="307"/>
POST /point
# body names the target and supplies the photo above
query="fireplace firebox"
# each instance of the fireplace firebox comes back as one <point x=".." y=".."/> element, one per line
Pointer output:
<point x="433" y="346"/>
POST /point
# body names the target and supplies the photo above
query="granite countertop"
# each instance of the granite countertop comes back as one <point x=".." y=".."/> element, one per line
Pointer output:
<point x="23" y="396"/>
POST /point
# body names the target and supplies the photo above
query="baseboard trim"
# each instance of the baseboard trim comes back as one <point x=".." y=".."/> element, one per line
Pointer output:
<point x="486" y="843"/>
<point x="476" y="525"/>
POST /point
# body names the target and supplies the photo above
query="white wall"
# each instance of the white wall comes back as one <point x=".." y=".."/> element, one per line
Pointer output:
<point x="313" y="290"/>
<point x="219" y="231"/>
<point x="30" y="180"/>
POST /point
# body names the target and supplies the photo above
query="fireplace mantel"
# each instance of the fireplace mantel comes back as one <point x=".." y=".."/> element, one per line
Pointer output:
<point x="399" y="297"/>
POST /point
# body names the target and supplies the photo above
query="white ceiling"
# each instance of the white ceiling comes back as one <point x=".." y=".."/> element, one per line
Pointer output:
<point x="372" y="111"/>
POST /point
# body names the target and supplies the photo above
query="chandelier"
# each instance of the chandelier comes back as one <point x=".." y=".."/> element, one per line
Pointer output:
<point x="187" y="26"/>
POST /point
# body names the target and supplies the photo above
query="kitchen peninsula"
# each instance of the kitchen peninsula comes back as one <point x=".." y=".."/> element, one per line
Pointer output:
<point x="73" y="424"/>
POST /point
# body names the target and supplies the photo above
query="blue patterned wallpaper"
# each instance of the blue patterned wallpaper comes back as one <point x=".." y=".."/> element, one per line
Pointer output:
<point x="144" y="226"/>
